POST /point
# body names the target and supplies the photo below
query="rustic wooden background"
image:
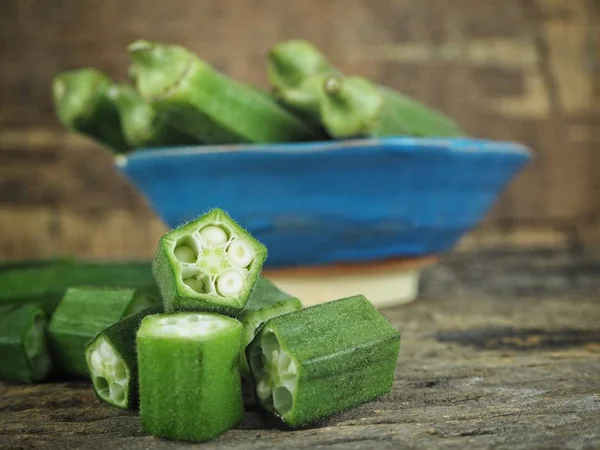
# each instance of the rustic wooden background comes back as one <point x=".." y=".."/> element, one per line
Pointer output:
<point x="522" y="70"/>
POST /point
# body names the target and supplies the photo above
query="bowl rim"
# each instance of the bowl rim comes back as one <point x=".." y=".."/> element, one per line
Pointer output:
<point x="404" y="144"/>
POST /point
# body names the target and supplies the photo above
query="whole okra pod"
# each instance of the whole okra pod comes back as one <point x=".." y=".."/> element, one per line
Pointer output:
<point x="321" y="360"/>
<point x="206" y="104"/>
<point x="141" y="125"/>
<point x="82" y="104"/>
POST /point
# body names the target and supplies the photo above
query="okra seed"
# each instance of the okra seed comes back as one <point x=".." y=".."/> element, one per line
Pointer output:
<point x="117" y="392"/>
<point x="230" y="283"/>
<point x="263" y="389"/>
<point x="195" y="284"/>
<point x="105" y="351"/>
<point x="119" y="371"/>
<point x="282" y="400"/>
<point x="185" y="254"/>
<point x="96" y="361"/>
<point x="213" y="235"/>
<point x="240" y="253"/>
<point x="102" y="386"/>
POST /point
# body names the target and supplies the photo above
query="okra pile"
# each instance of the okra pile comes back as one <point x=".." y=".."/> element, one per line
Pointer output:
<point x="178" y="99"/>
<point x="208" y="338"/>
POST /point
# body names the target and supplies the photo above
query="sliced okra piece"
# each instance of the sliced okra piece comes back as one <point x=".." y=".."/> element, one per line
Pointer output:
<point x="46" y="283"/>
<point x="82" y="105"/>
<point x="190" y="385"/>
<point x="141" y="125"/>
<point x="82" y="314"/>
<point x="322" y="360"/>
<point x="207" y="104"/>
<point x="23" y="346"/>
<point x="210" y="263"/>
<point x="112" y="361"/>
<point x="266" y="302"/>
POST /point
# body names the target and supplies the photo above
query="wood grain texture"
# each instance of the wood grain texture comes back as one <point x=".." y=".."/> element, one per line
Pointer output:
<point x="518" y="70"/>
<point x="492" y="356"/>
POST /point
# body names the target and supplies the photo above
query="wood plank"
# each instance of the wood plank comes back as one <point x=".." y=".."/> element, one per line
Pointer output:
<point x="491" y="357"/>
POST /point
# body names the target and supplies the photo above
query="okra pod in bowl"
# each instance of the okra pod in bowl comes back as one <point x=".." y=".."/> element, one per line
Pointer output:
<point x="330" y="203"/>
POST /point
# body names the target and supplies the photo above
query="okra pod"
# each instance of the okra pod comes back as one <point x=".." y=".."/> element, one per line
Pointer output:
<point x="24" y="352"/>
<point x="210" y="263"/>
<point x="46" y="283"/>
<point x="82" y="314"/>
<point x="322" y="360"/>
<point x="82" y="105"/>
<point x="206" y="104"/>
<point x="112" y="361"/>
<point x="190" y="384"/>
<point x="141" y="125"/>
<point x="304" y="79"/>
<point x="266" y="302"/>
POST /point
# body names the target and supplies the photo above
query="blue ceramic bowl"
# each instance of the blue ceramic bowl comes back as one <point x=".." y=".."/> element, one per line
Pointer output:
<point x="324" y="202"/>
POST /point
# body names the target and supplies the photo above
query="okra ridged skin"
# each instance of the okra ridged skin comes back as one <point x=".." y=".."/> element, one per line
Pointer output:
<point x="112" y="361"/>
<point x="322" y="360"/>
<point x="206" y="104"/>
<point x="190" y="386"/>
<point x="82" y="105"/>
<point x="267" y="301"/>
<point x="208" y="264"/>
<point x="46" y="283"/>
<point x="24" y="355"/>
<point x="81" y="315"/>
<point x="141" y="125"/>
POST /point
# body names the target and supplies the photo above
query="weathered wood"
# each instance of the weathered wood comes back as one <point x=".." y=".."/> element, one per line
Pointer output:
<point x="511" y="70"/>
<point x="502" y="350"/>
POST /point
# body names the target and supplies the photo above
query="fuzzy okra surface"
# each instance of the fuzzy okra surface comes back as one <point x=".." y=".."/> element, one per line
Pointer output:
<point x="322" y="360"/>
<point x="24" y="355"/>
<point x="190" y="386"/>
<point x="211" y="263"/>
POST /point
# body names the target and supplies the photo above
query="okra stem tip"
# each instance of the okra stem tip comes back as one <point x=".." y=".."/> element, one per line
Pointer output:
<point x="332" y="84"/>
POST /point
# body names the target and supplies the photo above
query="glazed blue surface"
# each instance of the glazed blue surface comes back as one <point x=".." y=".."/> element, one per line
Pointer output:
<point x="321" y="202"/>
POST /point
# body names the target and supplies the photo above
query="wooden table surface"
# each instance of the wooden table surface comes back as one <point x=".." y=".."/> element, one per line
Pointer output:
<point x="500" y="351"/>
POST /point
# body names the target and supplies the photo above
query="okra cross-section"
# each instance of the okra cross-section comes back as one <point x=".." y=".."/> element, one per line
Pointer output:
<point x="24" y="354"/>
<point x="112" y="361"/>
<point x="189" y="379"/>
<point x="266" y="302"/>
<point x="211" y="263"/>
<point x="322" y="360"/>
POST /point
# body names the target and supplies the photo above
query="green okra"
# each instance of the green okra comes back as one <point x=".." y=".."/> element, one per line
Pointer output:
<point x="46" y="282"/>
<point x="210" y="263"/>
<point x="141" y="125"/>
<point x="266" y="302"/>
<point x="206" y="104"/>
<point x="322" y="360"/>
<point x="82" y="105"/>
<point x="24" y="355"/>
<point x="190" y="384"/>
<point x="112" y="361"/>
<point x="82" y="314"/>
<point x="304" y="79"/>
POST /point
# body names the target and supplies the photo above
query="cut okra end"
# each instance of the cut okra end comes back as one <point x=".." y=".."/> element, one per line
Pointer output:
<point x="211" y="263"/>
<point x="109" y="373"/>
<point x="276" y="375"/>
<point x="186" y="325"/>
